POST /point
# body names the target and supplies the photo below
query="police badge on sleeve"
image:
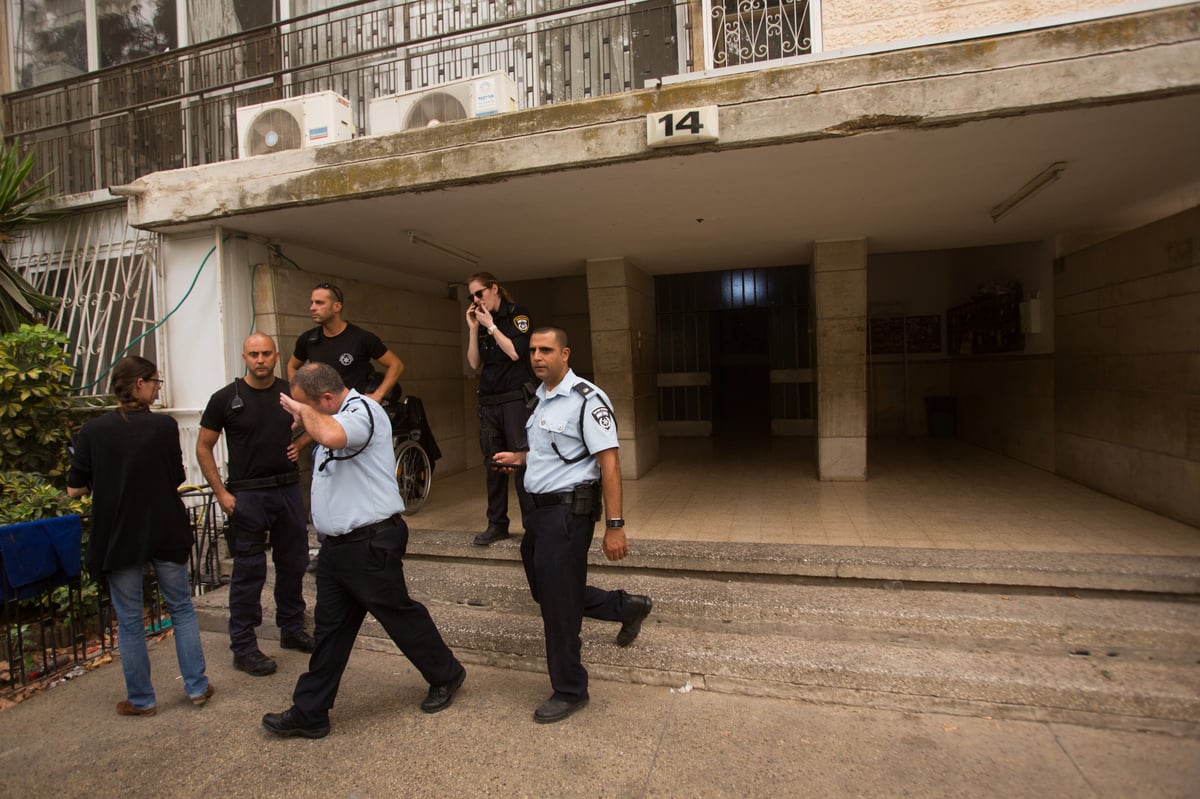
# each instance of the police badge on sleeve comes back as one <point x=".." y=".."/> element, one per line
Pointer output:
<point x="603" y="417"/>
<point x="521" y="323"/>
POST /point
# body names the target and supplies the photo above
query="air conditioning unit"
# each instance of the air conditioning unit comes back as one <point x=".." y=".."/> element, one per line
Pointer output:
<point x="292" y="124"/>
<point x="480" y="96"/>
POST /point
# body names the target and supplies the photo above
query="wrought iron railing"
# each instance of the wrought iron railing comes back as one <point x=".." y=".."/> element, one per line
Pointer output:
<point x="65" y="627"/>
<point x="106" y="274"/>
<point x="178" y="109"/>
<point x="757" y="31"/>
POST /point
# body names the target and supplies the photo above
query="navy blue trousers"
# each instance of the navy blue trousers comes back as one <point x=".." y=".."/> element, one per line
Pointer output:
<point x="554" y="552"/>
<point x="273" y="516"/>
<point x="502" y="429"/>
<point x="355" y="578"/>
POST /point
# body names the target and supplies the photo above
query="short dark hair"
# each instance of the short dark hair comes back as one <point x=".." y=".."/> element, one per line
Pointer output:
<point x="332" y="289"/>
<point x="560" y="335"/>
<point x="315" y="379"/>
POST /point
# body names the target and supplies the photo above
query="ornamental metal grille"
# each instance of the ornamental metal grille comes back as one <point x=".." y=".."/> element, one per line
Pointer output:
<point x="106" y="273"/>
<point x="751" y="31"/>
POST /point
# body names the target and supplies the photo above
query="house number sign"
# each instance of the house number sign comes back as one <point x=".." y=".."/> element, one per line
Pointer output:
<point x="685" y="126"/>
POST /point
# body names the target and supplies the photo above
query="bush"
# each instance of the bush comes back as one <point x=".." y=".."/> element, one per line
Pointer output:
<point x="35" y="404"/>
<point x="36" y="423"/>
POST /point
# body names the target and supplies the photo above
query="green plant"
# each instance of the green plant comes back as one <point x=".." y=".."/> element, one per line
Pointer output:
<point x="18" y="209"/>
<point x="36" y="422"/>
<point x="25" y="497"/>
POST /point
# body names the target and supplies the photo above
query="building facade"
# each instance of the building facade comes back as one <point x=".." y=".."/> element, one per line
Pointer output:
<point x="833" y="219"/>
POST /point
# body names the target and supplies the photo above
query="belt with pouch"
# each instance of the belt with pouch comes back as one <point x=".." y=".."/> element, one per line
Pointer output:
<point x="366" y="531"/>
<point x="547" y="500"/>
<point x="285" y="479"/>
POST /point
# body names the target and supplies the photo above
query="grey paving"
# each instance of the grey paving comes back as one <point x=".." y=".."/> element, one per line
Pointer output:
<point x="632" y="741"/>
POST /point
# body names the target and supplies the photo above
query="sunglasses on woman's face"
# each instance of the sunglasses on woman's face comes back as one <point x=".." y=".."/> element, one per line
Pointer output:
<point x="479" y="294"/>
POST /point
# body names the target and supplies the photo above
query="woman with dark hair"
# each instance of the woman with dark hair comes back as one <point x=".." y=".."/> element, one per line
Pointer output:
<point x="498" y="343"/>
<point x="131" y="462"/>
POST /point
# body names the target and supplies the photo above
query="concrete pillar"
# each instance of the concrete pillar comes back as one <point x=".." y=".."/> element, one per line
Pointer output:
<point x="840" y="299"/>
<point x="625" y="356"/>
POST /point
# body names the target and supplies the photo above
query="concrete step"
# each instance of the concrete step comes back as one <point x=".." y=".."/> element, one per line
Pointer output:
<point x="1149" y="629"/>
<point x="1039" y="570"/>
<point x="748" y="619"/>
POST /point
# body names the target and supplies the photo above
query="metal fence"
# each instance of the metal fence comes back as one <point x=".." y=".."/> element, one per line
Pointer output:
<point x="106" y="274"/>
<point x="65" y="627"/>
<point x="178" y="109"/>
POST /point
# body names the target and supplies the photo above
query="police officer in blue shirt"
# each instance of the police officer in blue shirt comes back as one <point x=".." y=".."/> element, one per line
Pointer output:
<point x="572" y="461"/>
<point x="356" y="504"/>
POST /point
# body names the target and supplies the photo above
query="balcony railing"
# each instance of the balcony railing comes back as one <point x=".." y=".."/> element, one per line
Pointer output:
<point x="179" y="109"/>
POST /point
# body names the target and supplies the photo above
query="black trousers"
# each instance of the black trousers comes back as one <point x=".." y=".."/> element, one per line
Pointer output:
<point x="502" y="429"/>
<point x="280" y="512"/>
<point x="355" y="578"/>
<point x="554" y="552"/>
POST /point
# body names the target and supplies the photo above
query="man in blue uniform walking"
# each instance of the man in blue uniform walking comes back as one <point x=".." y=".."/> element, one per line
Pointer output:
<point x="572" y="461"/>
<point x="356" y="504"/>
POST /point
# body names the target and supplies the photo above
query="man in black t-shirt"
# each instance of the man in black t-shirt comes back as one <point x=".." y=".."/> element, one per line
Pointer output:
<point x="347" y="348"/>
<point x="262" y="502"/>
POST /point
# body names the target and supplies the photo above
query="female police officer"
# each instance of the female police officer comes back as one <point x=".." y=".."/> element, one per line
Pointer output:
<point x="498" y="341"/>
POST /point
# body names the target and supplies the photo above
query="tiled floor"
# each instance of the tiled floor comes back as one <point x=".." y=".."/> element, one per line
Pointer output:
<point x="921" y="493"/>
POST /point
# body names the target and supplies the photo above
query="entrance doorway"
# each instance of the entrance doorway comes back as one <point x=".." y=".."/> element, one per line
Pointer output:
<point x="735" y="354"/>
<point x="741" y="372"/>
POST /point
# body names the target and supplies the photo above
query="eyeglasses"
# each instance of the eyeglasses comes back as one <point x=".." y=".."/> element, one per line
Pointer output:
<point x="158" y="380"/>
<point x="334" y="290"/>
<point x="479" y="294"/>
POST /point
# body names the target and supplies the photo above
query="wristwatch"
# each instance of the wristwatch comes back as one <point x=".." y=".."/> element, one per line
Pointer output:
<point x="492" y="330"/>
<point x="613" y="524"/>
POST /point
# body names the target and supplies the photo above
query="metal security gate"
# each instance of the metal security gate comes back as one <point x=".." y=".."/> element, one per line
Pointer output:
<point x="106" y="274"/>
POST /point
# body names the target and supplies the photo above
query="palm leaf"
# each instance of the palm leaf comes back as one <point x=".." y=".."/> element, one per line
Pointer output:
<point x="19" y="208"/>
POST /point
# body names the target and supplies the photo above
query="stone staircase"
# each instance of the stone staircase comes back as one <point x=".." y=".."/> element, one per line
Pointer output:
<point x="1111" y="641"/>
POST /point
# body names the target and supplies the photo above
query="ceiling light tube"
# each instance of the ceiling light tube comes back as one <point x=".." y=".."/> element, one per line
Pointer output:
<point x="1043" y="179"/>
<point x="416" y="238"/>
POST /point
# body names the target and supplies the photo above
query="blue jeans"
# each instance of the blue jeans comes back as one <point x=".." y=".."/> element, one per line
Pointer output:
<point x="125" y="590"/>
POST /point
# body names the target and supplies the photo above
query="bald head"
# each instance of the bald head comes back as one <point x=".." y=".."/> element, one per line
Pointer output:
<point x="260" y="356"/>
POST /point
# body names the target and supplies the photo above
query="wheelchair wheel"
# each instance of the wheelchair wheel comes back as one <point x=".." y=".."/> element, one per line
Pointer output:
<point x="414" y="474"/>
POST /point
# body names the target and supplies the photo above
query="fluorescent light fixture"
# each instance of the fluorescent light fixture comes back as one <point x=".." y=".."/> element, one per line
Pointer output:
<point x="445" y="249"/>
<point x="1043" y="179"/>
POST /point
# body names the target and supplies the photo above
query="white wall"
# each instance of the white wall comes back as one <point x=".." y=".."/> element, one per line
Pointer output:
<point x="193" y="355"/>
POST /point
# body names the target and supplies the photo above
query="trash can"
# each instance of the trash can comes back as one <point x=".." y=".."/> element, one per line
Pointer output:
<point x="941" y="416"/>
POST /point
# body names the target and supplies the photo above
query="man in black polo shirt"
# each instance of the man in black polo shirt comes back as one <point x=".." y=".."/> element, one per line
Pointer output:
<point x="262" y="502"/>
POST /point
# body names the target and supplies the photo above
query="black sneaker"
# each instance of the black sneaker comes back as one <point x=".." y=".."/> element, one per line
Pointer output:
<point x="301" y="641"/>
<point x="491" y="536"/>
<point x="440" y="696"/>
<point x="637" y="608"/>
<point x="286" y="725"/>
<point x="255" y="664"/>
<point x="554" y="709"/>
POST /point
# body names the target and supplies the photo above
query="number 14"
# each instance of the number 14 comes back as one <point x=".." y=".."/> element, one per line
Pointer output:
<point x="689" y="122"/>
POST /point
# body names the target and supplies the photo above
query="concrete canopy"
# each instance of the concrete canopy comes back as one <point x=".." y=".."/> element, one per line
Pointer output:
<point x="911" y="149"/>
